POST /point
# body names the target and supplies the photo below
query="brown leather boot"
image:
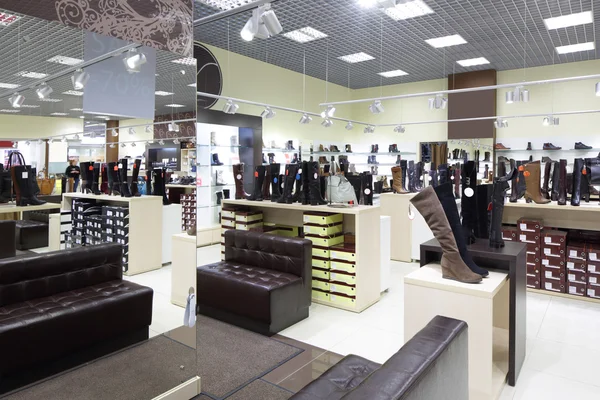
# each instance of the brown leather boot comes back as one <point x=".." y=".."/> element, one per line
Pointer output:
<point x="267" y="184"/>
<point x="533" y="176"/>
<point x="238" y="175"/>
<point x="397" y="180"/>
<point x="453" y="267"/>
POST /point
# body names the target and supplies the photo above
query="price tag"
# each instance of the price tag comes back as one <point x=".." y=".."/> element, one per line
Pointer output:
<point x="545" y="262"/>
<point x="523" y="227"/>
<point x="547" y="251"/>
<point x="572" y="290"/>
<point x="548" y="285"/>
<point x="523" y="238"/>
<point x="591" y="293"/>
<point x="573" y="253"/>
<point x="591" y="268"/>
<point x="593" y="279"/>
<point x="592" y="256"/>
<point x="547" y="239"/>
<point x="572" y="277"/>
<point x="548" y="274"/>
<point x="25" y="175"/>
<point x="570" y="265"/>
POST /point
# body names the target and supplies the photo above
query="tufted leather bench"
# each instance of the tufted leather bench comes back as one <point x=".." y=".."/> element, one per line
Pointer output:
<point x="63" y="304"/>
<point x="31" y="234"/>
<point x="7" y="239"/>
<point x="263" y="285"/>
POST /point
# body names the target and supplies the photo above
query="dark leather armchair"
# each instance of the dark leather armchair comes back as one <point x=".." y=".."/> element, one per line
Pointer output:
<point x="431" y="365"/>
<point x="263" y="285"/>
<point x="62" y="308"/>
<point x="7" y="239"/>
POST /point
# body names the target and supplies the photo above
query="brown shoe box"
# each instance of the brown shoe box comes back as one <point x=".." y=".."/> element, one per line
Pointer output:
<point x="593" y="291"/>
<point x="594" y="253"/>
<point x="576" y="288"/>
<point x="533" y="258"/>
<point x="576" y="276"/>
<point x="534" y="270"/>
<point x="574" y="264"/>
<point x="553" y="250"/>
<point x="530" y="225"/>
<point x="510" y="233"/>
<point x="534" y="282"/>
<point x="594" y="279"/>
<point x="554" y="273"/>
<point x="554" y="285"/>
<point x="552" y="237"/>
<point x="534" y="248"/>
<point x="577" y="250"/>
<point x="553" y="262"/>
<point x="593" y="267"/>
<point x="529" y="237"/>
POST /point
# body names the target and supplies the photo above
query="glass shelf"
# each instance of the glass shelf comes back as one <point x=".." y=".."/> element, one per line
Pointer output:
<point x="266" y="150"/>
<point x="222" y="146"/>
<point x="214" y="165"/>
<point x="216" y="186"/>
<point x="342" y="153"/>
<point x="547" y="151"/>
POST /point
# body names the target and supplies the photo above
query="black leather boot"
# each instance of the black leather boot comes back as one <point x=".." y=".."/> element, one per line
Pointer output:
<point x="501" y="169"/>
<point x="356" y="183"/>
<point x="113" y="179"/>
<point x="367" y="188"/>
<point x="562" y="183"/>
<point x="585" y="182"/>
<point x="433" y="181"/>
<point x="96" y="179"/>
<point x="546" y="182"/>
<point x="23" y="179"/>
<point x="148" y="182"/>
<point x="315" y="185"/>
<point x="84" y="173"/>
<point x="498" y="193"/>
<point x="5" y="189"/>
<point x="271" y="158"/>
<point x="419" y="168"/>
<point x="159" y="185"/>
<point x="215" y="159"/>
<point x="259" y="177"/>
<point x="275" y="192"/>
<point x="298" y="179"/>
<point x="576" y="193"/>
<point x="521" y="185"/>
<point x="123" y="178"/>
<point x="135" y="173"/>
<point x="411" y="177"/>
<point x="443" y="174"/>
<point x="305" y="196"/>
<point x="555" y="180"/>
<point x="468" y="201"/>
<point x="483" y="197"/>
<point x="288" y="186"/>
<point x="404" y="166"/>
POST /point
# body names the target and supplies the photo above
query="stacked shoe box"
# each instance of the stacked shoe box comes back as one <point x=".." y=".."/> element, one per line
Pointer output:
<point x="593" y="272"/>
<point x="249" y="221"/>
<point x="228" y="214"/>
<point x="115" y="223"/>
<point x="93" y="229"/>
<point x="324" y="230"/>
<point x="554" y="249"/>
<point x="78" y="224"/>
<point x="188" y="211"/>
<point x="577" y="256"/>
<point x="529" y="232"/>
<point x="510" y="233"/>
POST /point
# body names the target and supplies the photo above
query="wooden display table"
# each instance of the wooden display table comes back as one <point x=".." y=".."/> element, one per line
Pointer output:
<point x="362" y="221"/>
<point x="18" y="211"/>
<point x="585" y="216"/>
<point x="510" y="258"/>
<point x="145" y="227"/>
<point x="484" y="307"/>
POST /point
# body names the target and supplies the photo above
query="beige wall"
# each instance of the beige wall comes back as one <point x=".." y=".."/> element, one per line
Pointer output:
<point x="28" y="127"/>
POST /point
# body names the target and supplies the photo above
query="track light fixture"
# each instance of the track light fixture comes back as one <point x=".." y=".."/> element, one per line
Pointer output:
<point x="151" y="141"/>
<point x="173" y="127"/>
<point x="134" y="60"/>
<point x="376" y="107"/>
<point x="176" y="140"/>
<point x="15" y="144"/>
<point x="328" y="112"/>
<point x="399" y="129"/>
<point x="598" y="89"/>
<point x="115" y="133"/>
<point x="76" y="137"/>
<point x="305" y="119"/>
<point x="131" y="131"/>
<point x="64" y="139"/>
<point x="43" y="91"/>
<point x="230" y="107"/>
<point x="349" y="126"/>
<point x="369" y="129"/>
<point x="327" y="123"/>
<point x="518" y="94"/>
<point x="79" y="79"/>
<point x="148" y="128"/>
<point x="263" y="24"/>
<point x="161" y="142"/>
<point x="112" y="146"/>
<point x="123" y="145"/>
<point x="551" y="121"/>
<point x="439" y="102"/>
<point x="51" y="140"/>
<point x="133" y="144"/>
<point x="16" y="100"/>
<point x="27" y="142"/>
<point x="40" y="141"/>
<point x="501" y="123"/>
<point x="268" y="113"/>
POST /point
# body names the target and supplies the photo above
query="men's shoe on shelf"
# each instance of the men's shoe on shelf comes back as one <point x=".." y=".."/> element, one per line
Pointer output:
<point x="550" y="146"/>
<point x="348" y="148"/>
<point x="529" y="146"/>
<point x="581" y="146"/>
<point x="264" y="160"/>
<point x="215" y="159"/>
<point x="500" y="146"/>
<point x="546" y="159"/>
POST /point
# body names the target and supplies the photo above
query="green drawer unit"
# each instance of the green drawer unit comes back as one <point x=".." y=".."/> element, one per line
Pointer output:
<point x="227" y="223"/>
<point x="340" y="288"/>
<point x="343" y="252"/>
<point x="343" y="266"/>
<point x="342" y="300"/>
<point x="320" y="274"/>
<point x="322" y="252"/>
<point x="320" y="284"/>
<point x="326" y="241"/>
<point x="342" y="277"/>
<point x="323" y="230"/>
<point x="322" y="218"/>
<point x="322" y="263"/>
<point x="248" y="216"/>
<point x="320" y="295"/>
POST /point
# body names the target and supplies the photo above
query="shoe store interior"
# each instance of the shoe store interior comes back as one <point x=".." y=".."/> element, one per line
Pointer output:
<point x="299" y="199"/>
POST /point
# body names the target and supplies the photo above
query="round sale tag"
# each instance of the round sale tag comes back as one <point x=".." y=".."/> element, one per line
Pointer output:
<point x="238" y="177"/>
<point x="256" y="174"/>
<point x="298" y="177"/>
<point x="316" y="175"/>
<point x="469" y="192"/>
<point x="367" y="191"/>
<point x="275" y="180"/>
<point x="300" y="171"/>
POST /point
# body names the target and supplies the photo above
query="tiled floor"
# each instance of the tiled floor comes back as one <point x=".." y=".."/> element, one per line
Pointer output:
<point x="562" y="347"/>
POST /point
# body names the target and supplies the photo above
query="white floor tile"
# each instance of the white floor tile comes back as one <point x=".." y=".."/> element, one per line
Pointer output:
<point x="539" y="385"/>
<point x="371" y="343"/>
<point x="537" y="306"/>
<point x="165" y="315"/>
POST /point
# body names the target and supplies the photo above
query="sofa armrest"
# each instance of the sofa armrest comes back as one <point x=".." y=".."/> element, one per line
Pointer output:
<point x="7" y="244"/>
<point x="431" y="365"/>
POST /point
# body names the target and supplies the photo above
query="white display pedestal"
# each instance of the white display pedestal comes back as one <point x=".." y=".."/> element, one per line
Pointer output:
<point x="183" y="267"/>
<point x="420" y="233"/>
<point x="171" y="220"/>
<point x="385" y="251"/>
<point x="484" y="307"/>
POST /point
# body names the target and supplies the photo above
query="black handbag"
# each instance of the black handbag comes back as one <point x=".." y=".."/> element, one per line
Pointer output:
<point x="7" y="192"/>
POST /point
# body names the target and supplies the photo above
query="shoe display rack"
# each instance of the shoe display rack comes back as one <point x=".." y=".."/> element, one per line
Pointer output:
<point x="136" y="223"/>
<point x="188" y="211"/>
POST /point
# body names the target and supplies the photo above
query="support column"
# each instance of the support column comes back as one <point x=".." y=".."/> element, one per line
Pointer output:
<point x="112" y="155"/>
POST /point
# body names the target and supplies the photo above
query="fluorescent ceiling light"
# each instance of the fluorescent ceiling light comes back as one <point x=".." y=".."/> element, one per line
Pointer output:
<point x="392" y="74"/>
<point x="446" y="41"/>
<point x="410" y="9"/>
<point x="473" y="61"/>
<point x="10" y="111"/>
<point x="192" y="85"/>
<point x="29" y="106"/>
<point x="163" y="93"/>
<point x="7" y="19"/>
<point x="225" y="4"/>
<point x="73" y="93"/>
<point x="33" y="75"/>
<point x="185" y="61"/>
<point x="76" y="109"/>
<point x="564" y="21"/>
<point x="8" y="85"/>
<point x="574" y="48"/>
<point x="50" y="100"/>
<point x="174" y="105"/>
<point x="305" y="119"/>
<point x="59" y="113"/>
<point x="356" y="57"/>
<point x="304" y="35"/>
<point x="64" y="60"/>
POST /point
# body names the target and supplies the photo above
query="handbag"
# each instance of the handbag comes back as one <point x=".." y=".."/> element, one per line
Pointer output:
<point x="594" y="174"/>
<point x="46" y="185"/>
<point x="340" y="190"/>
<point x="7" y="192"/>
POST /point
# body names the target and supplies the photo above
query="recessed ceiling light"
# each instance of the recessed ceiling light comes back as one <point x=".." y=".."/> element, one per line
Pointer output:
<point x="59" y="113"/>
<point x="76" y="109"/>
<point x="8" y="85"/>
<point x="574" y="48"/>
<point x="29" y="106"/>
<point x="410" y="9"/>
<point x="174" y="105"/>
<point x="225" y="4"/>
<point x="33" y="75"/>
<point x="7" y="19"/>
<point x="50" y="100"/>
<point x="185" y="61"/>
<point x="473" y="61"/>
<point x="103" y="117"/>
<point x="357" y="57"/>
<point x="163" y="93"/>
<point x="392" y="74"/>
<point x="192" y="85"/>
<point x="73" y="93"/>
<point x="446" y="41"/>
<point x="304" y="35"/>
<point x="64" y="60"/>
<point x="564" y="21"/>
<point x="10" y="111"/>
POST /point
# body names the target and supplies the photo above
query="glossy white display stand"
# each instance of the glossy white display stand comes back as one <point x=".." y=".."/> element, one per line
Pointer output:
<point x="385" y="252"/>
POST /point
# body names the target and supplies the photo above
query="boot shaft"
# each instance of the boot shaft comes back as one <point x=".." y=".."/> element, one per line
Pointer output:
<point x="562" y="182"/>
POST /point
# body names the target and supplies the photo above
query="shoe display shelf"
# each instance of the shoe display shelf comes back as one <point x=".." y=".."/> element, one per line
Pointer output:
<point x="140" y="229"/>
<point x="188" y="161"/>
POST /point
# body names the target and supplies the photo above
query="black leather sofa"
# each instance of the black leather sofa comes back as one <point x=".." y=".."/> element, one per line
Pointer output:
<point x="263" y="285"/>
<point x="433" y="365"/>
<point x="32" y="232"/>
<point x="66" y="307"/>
<point x="7" y="239"/>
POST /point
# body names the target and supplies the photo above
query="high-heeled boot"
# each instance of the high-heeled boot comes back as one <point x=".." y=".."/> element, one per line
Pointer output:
<point x="259" y="177"/>
<point x="577" y="174"/>
<point x="315" y="187"/>
<point x="468" y="201"/>
<point x="275" y="188"/>
<point x="532" y="172"/>
<point x="135" y="172"/>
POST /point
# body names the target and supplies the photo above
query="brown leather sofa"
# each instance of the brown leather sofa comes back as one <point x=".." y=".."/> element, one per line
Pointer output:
<point x="66" y="307"/>
<point x="264" y="284"/>
<point x="431" y="365"/>
<point x="7" y="239"/>
<point x="32" y="231"/>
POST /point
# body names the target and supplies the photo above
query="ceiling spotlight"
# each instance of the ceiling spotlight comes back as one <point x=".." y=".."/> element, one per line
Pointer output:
<point x="93" y="135"/>
<point x="305" y="119"/>
<point x="27" y="142"/>
<point x="327" y="123"/>
<point x="376" y="107"/>
<point x="134" y="60"/>
<point x="268" y="113"/>
<point x="51" y="141"/>
<point x="43" y="91"/>
<point x="500" y="123"/>
<point x="176" y="140"/>
<point x="551" y="121"/>
<point x="148" y="128"/>
<point x="369" y="129"/>
<point x="510" y="97"/>
<point x="76" y="137"/>
<point x="14" y="145"/>
<point x="161" y="142"/>
<point x="349" y="126"/>
<point x="64" y="139"/>
<point x="123" y="145"/>
<point x="131" y="131"/>
<point x="80" y="79"/>
<point x="133" y="144"/>
<point x="399" y="129"/>
<point x="263" y="24"/>
<point x="230" y="107"/>
<point x="115" y="133"/>
<point x="151" y="141"/>
<point x="328" y="112"/>
<point x="40" y="141"/>
<point x="16" y="100"/>
<point x="438" y="102"/>
<point x="598" y="89"/>
<point x="112" y="146"/>
<point x="173" y="127"/>
<point x="518" y="94"/>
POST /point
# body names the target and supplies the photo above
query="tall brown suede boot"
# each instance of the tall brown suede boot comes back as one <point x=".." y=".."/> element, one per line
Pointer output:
<point x="453" y="267"/>
<point x="397" y="180"/>
<point x="533" y="177"/>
